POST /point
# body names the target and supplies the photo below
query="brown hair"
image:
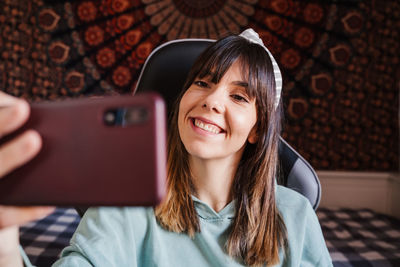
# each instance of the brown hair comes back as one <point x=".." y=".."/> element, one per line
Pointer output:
<point x="258" y="231"/>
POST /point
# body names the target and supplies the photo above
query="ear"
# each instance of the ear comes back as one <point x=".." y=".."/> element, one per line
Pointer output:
<point x="253" y="137"/>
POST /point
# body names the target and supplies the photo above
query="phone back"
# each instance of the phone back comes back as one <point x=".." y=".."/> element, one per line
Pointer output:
<point x="96" y="151"/>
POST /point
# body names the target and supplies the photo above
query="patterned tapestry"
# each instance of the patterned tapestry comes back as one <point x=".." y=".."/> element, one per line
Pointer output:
<point x="340" y="61"/>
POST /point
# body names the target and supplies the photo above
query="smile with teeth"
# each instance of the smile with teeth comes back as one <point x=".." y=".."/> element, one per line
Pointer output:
<point x="206" y="126"/>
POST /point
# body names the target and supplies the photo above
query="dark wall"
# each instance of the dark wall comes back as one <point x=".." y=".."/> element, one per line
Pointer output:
<point x="339" y="59"/>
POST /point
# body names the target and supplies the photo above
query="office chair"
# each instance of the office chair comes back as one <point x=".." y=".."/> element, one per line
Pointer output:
<point x="165" y="72"/>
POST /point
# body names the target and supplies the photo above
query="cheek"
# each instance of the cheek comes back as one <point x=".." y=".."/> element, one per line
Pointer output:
<point x="183" y="109"/>
<point x="188" y="102"/>
<point x="245" y="120"/>
<point x="184" y="103"/>
<point x="243" y="123"/>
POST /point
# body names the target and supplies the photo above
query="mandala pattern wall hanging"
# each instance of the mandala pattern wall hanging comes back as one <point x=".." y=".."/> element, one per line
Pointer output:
<point x="339" y="60"/>
<point x="177" y="19"/>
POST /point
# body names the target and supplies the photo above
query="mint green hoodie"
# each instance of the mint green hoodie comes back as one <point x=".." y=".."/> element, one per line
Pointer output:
<point x="132" y="237"/>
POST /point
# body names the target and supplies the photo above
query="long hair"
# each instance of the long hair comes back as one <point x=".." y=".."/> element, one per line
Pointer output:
<point x="258" y="232"/>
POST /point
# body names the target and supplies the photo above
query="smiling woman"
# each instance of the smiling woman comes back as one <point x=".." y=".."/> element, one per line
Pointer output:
<point x="223" y="149"/>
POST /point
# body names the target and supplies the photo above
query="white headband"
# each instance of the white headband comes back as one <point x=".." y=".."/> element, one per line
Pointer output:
<point x="253" y="37"/>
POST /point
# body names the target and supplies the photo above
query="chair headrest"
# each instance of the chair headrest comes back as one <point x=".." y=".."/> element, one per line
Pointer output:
<point x="167" y="67"/>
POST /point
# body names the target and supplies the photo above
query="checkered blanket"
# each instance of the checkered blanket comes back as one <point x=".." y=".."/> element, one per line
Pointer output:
<point x="360" y="238"/>
<point x="43" y="240"/>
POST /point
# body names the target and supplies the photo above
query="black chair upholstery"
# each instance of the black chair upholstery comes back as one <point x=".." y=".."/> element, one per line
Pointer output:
<point x="165" y="71"/>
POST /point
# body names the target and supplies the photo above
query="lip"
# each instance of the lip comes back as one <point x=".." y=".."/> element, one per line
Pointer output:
<point x="192" y="119"/>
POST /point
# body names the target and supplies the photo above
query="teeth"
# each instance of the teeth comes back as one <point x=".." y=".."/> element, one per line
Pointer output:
<point x="207" y="127"/>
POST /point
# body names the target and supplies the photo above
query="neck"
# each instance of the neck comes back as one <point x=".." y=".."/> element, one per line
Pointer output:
<point x="213" y="179"/>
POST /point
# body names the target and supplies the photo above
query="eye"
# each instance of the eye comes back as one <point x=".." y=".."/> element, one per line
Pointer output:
<point x="239" y="98"/>
<point x="201" y="83"/>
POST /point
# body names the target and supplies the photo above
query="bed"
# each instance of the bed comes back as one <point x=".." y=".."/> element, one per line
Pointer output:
<point x="360" y="238"/>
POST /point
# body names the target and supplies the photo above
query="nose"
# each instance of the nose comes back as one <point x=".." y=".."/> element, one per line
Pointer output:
<point x="214" y="100"/>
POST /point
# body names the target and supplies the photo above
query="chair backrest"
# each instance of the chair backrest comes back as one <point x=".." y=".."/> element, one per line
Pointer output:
<point x="165" y="71"/>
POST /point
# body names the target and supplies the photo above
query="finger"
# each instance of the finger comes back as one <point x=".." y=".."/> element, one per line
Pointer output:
<point x="19" y="151"/>
<point x="11" y="216"/>
<point x="6" y="99"/>
<point x="12" y="115"/>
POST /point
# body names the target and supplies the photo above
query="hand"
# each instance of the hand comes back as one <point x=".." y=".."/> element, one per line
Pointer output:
<point x="13" y="114"/>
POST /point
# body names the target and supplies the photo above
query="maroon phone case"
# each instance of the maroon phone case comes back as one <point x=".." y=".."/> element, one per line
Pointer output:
<point x="83" y="161"/>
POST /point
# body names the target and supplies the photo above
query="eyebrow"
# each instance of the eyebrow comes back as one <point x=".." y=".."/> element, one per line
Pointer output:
<point x="241" y="83"/>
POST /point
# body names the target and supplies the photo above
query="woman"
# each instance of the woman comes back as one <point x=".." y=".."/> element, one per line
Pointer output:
<point x="223" y="207"/>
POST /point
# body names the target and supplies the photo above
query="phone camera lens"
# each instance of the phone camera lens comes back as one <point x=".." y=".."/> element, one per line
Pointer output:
<point x="135" y="115"/>
<point x="109" y="118"/>
<point x="125" y="116"/>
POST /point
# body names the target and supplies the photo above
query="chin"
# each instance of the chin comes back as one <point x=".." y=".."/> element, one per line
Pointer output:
<point x="201" y="153"/>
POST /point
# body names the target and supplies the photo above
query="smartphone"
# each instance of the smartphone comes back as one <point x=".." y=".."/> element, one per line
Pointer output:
<point x="108" y="151"/>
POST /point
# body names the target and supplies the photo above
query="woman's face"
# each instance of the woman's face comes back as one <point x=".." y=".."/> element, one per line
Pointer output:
<point x="216" y="120"/>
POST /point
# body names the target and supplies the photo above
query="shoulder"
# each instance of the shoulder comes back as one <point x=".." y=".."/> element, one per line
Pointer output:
<point x="295" y="209"/>
<point x="305" y="238"/>
<point x="108" y="236"/>
<point x="289" y="200"/>
<point x="117" y="215"/>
